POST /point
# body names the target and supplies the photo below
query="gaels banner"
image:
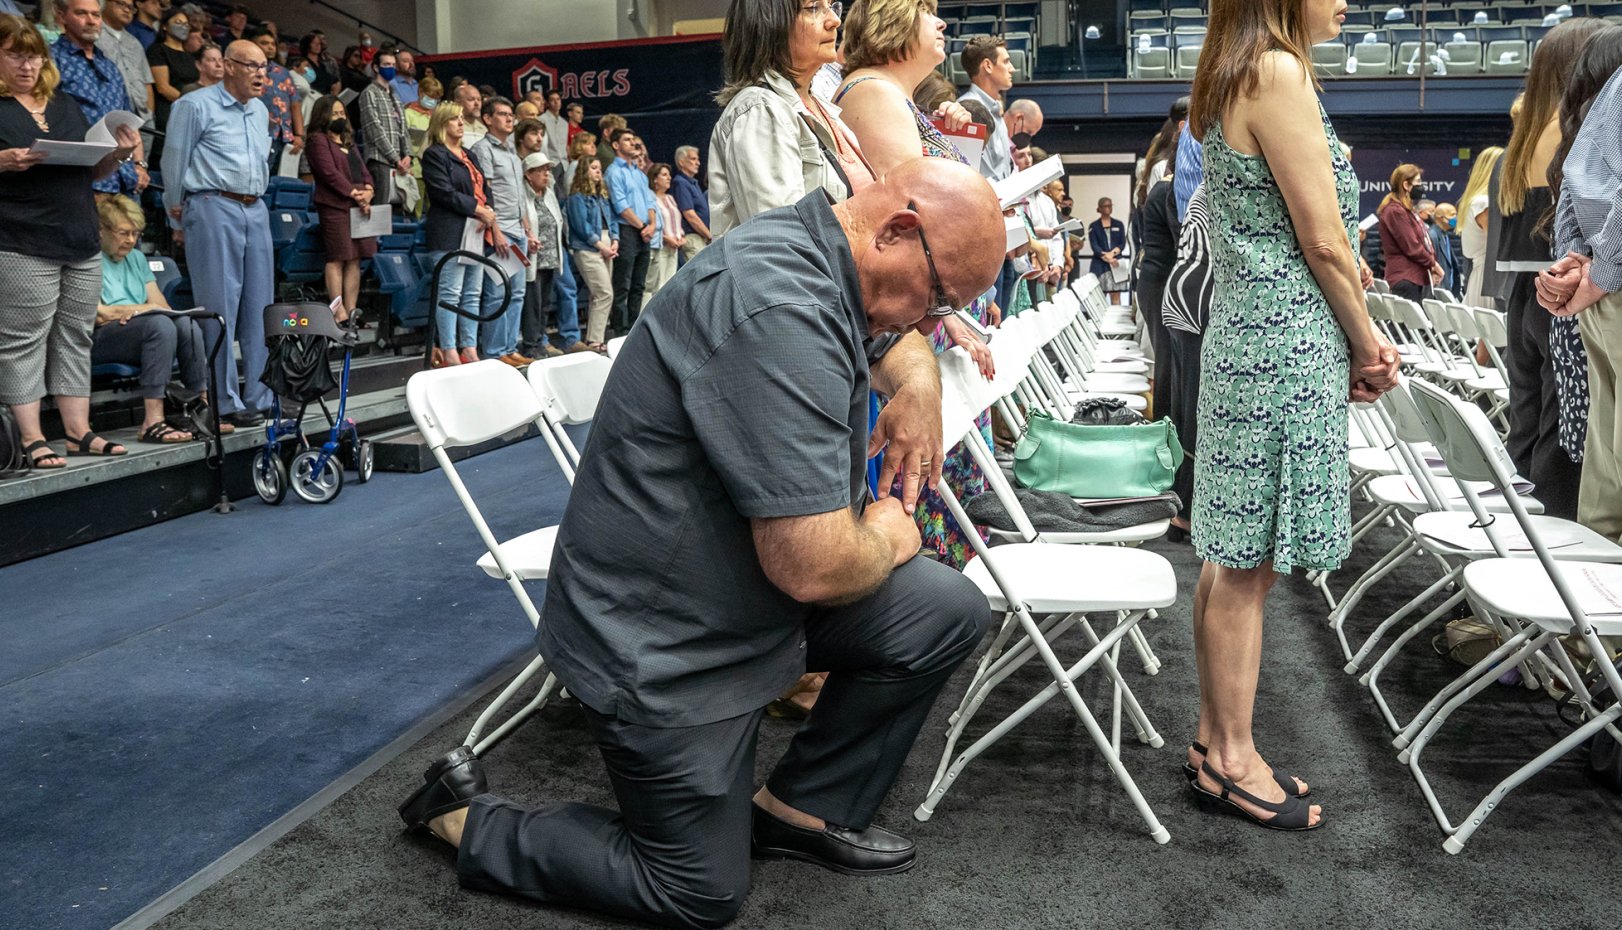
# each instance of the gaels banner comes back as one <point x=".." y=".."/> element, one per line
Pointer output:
<point x="665" y="87"/>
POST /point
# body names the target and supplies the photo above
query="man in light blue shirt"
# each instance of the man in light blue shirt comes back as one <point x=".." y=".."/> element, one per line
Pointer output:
<point x="216" y="165"/>
<point x="1189" y="172"/>
<point x="404" y="84"/>
<point x="631" y="198"/>
<point x="991" y="74"/>
<point x="497" y="158"/>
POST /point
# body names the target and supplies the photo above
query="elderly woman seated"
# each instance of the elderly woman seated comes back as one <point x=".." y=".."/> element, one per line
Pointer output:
<point x="129" y="332"/>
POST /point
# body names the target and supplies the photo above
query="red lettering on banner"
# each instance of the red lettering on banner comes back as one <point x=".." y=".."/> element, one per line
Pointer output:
<point x="569" y="90"/>
<point x="622" y="83"/>
<point x="588" y="81"/>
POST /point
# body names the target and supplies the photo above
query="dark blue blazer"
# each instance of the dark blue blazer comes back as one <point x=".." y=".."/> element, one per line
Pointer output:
<point x="451" y="200"/>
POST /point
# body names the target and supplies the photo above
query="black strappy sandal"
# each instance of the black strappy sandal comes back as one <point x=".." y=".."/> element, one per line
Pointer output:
<point x="162" y="434"/>
<point x="33" y="460"/>
<point x="1287" y="782"/>
<point x="82" y="446"/>
<point x="1292" y="815"/>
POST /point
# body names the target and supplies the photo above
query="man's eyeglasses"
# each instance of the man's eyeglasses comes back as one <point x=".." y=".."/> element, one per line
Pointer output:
<point x="822" y="9"/>
<point x="259" y="67"/>
<point x="940" y="304"/>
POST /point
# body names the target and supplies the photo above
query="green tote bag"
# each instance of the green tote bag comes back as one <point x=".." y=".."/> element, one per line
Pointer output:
<point x="1093" y="462"/>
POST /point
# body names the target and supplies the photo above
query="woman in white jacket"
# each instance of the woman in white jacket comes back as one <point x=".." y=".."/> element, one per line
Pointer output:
<point x="776" y="141"/>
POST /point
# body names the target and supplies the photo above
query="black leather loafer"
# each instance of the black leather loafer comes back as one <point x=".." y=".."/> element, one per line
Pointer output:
<point x="874" y="851"/>
<point x="448" y="785"/>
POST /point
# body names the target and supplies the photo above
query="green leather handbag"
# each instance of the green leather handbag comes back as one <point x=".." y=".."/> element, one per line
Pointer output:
<point x="1097" y="462"/>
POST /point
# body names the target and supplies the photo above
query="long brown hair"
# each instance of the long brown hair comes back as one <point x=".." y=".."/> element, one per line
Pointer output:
<point x="1239" y="33"/>
<point x="1601" y="57"/>
<point x="583" y="184"/>
<point x="1402" y="175"/>
<point x="1545" y="85"/>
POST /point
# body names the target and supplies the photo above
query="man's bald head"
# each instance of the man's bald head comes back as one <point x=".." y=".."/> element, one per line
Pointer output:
<point x="1023" y="116"/>
<point x="934" y="200"/>
<point x="245" y="76"/>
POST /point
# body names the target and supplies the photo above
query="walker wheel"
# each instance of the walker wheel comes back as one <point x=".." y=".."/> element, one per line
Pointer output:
<point x="363" y="461"/>
<point x="269" y="476"/>
<point x="313" y="485"/>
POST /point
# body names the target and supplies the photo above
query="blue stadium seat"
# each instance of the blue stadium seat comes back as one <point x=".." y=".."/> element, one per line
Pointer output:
<point x="1021" y="10"/>
<point x="289" y="194"/>
<point x="399" y="281"/>
<point x="1488" y="34"/>
<point x="284" y="227"/>
<point x="1019" y="24"/>
<point x="305" y="260"/>
<point x="169" y="277"/>
<point x="993" y="10"/>
<point x="1149" y="6"/>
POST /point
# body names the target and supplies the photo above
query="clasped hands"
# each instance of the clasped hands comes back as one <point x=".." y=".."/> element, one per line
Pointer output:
<point x="1565" y="288"/>
<point x="1374" y="371"/>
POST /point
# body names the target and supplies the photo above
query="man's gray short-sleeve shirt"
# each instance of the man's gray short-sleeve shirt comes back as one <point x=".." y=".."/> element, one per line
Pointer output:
<point x="741" y="393"/>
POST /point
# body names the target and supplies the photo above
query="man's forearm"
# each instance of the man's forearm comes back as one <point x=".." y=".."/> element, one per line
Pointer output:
<point x="630" y="218"/>
<point x="910" y="362"/>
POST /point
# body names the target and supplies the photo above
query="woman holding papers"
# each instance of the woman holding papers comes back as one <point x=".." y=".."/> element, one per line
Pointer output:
<point x="50" y="250"/>
<point x="342" y="183"/>
<point x="132" y="329"/>
<point x="458" y="206"/>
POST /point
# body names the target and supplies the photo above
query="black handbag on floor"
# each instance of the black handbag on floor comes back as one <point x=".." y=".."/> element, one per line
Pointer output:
<point x="13" y="460"/>
<point x="1604" y="752"/>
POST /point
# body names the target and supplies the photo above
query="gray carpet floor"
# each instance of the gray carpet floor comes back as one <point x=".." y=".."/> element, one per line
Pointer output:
<point x="1037" y="834"/>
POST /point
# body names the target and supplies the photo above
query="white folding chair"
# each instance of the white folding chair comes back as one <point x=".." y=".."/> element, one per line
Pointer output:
<point x="614" y="346"/>
<point x="1552" y="598"/>
<point x="1061" y="583"/>
<point x="462" y="406"/>
<point x="1454" y="539"/>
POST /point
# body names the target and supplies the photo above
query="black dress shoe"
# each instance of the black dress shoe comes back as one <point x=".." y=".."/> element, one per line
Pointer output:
<point x="448" y="785"/>
<point x="874" y="851"/>
<point x="244" y="418"/>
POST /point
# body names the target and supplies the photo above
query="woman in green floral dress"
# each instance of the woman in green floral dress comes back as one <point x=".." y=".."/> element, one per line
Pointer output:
<point x="1289" y="341"/>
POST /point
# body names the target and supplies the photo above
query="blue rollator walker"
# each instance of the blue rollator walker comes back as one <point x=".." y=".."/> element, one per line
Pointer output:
<point x="300" y="337"/>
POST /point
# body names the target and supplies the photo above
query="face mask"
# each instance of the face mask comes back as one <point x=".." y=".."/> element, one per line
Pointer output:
<point x="309" y="75"/>
<point x="1021" y="140"/>
<point x="339" y="126"/>
<point x="179" y="31"/>
<point x="386" y="74"/>
<point x="428" y="103"/>
<point x="1452" y="222"/>
<point x="366" y="42"/>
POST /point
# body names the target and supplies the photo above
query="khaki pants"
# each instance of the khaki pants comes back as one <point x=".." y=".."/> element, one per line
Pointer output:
<point x="691" y="246"/>
<point x="1599" y="501"/>
<point x="594" y="277"/>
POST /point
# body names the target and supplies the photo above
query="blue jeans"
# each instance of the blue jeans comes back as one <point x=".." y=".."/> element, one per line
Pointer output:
<point x="460" y="286"/>
<point x="568" y="301"/>
<point x="499" y="336"/>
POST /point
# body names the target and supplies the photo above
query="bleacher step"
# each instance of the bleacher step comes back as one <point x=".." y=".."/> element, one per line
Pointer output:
<point x="404" y="449"/>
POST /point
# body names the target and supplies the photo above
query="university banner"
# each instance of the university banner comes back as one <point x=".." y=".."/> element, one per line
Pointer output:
<point x="664" y="87"/>
<point x="1446" y="171"/>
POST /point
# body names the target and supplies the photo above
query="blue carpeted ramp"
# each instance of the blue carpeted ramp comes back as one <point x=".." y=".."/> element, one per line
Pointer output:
<point x="168" y="693"/>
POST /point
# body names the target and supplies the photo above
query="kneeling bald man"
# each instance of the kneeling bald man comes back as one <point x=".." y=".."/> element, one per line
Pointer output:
<point x="716" y="545"/>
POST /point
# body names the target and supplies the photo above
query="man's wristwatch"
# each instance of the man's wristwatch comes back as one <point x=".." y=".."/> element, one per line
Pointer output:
<point x="141" y="164"/>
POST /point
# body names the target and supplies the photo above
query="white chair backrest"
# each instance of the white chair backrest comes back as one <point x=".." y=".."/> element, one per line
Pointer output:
<point x="576" y="383"/>
<point x="463" y="405"/>
<point x="614" y="346"/>
<point x="1465" y="438"/>
<point x="963" y="395"/>
<point x="1490" y="324"/>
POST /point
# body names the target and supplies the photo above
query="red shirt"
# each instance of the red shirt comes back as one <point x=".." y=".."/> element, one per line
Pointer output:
<point x="1405" y="245"/>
